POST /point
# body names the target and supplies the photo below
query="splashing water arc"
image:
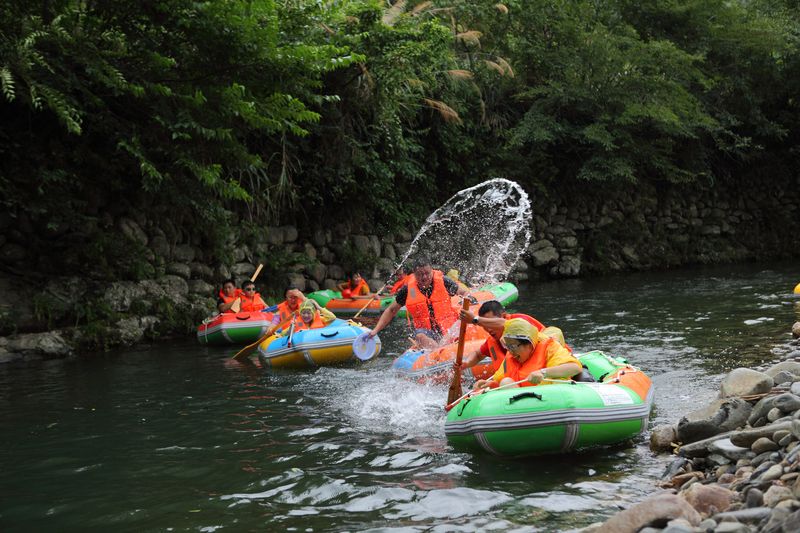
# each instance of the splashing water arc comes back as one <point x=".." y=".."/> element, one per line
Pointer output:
<point x="481" y="231"/>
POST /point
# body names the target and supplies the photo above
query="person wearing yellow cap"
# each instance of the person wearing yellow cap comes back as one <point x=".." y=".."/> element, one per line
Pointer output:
<point x="531" y="356"/>
<point x="312" y="316"/>
<point x="453" y="274"/>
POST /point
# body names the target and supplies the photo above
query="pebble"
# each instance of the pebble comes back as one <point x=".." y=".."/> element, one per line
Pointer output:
<point x="764" y="444"/>
<point x="774" y="414"/>
<point x="776" y="494"/>
<point x="774" y="472"/>
<point x="754" y="498"/>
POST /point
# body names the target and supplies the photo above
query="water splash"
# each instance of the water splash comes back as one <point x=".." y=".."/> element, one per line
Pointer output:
<point x="482" y="231"/>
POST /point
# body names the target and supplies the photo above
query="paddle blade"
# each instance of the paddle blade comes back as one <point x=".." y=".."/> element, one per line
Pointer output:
<point x="364" y="346"/>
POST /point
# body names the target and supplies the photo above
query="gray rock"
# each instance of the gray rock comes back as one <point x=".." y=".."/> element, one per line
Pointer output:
<point x="336" y="272"/>
<point x="568" y="266"/>
<point x="201" y="271"/>
<point x="744" y="382"/>
<point x="309" y="250"/>
<point x="796" y="330"/>
<point x="753" y="515"/>
<point x="719" y="417"/>
<point x="375" y="245"/>
<point x="298" y="280"/>
<point x="132" y="230"/>
<point x="659" y="508"/>
<point x="174" y="288"/>
<point x="319" y="237"/>
<point x="731" y="527"/>
<point x="289" y="234"/>
<point x="662" y="437"/>
<point x="243" y="270"/>
<point x="184" y="253"/>
<point x="772" y="473"/>
<point x="389" y="252"/>
<point x="780" y="434"/>
<point x="317" y="271"/>
<point x="785" y="402"/>
<point x="543" y="255"/>
<point x="198" y="286"/>
<point x="49" y="343"/>
<point x="361" y="244"/>
<point x="774" y="414"/>
<point x="274" y="235"/>
<point x="764" y="444"/>
<point x="707" y="524"/>
<point x="748" y="436"/>
<point x="783" y="377"/>
<point x="222" y="272"/>
<point x="131" y="330"/>
<point x="179" y="269"/>
<point x="728" y="449"/>
<point x="792" y="367"/>
<point x="776" y="494"/>
<point x="119" y="295"/>
<point x="329" y="284"/>
<point x="701" y="447"/>
<point x="754" y="498"/>
<point x="311" y="285"/>
<point x="795" y="388"/>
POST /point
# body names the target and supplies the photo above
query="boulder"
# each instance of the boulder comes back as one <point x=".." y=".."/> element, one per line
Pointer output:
<point x="201" y="271"/>
<point x="336" y="272"/>
<point x="243" y="270"/>
<point x="289" y="233"/>
<point x="198" y="286"/>
<point x="317" y="272"/>
<point x="309" y="250"/>
<point x="132" y="230"/>
<point x="119" y="295"/>
<point x="184" y="253"/>
<point x="726" y="448"/>
<point x="656" y="510"/>
<point x="131" y="330"/>
<point x="179" y="269"/>
<point x="662" y="437"/>
<point x="329" y="284"/>
<point x="389" y="253"/>
<point x="792" y="367"/>
<point x="787" y="403"/>
<point x="49" y="343"/>
<point x="784" y="377"/>
<point x="296" y="280"/>
<point x="362" y="244"/>
<point x="543" y="253"/>
<point x="375" y="245"/>
<point x="720" y="416"/>
<point x="568" y="266"/>
<point x="709" y="499"/>
<point x="776" y="494"/>
<point x="274" y="235"/>
<point x="744" y="382"/>
<point x="311" y="285"/>
<point x="319" y="238"/>
<point x="175" y="288"/>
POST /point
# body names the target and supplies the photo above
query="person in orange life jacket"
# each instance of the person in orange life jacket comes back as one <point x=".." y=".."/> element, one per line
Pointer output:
<point x="402" y="278"/>
<point x="251" y="300"/>
<point x="291" y="305"/>
<point x="427" y="299"/>
<point x="491" y="317"/>
<point x="312" y="316"/>
<point x="531" y="357"/>
<point x="227" y="296"/>
<point x="355" y="287"/>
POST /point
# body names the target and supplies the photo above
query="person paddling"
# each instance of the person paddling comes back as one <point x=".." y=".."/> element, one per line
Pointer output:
<point x="491" y="317"/>
<point x="530" y="357"/>
<point x="427" y="299"/>
<point x="290" y="306"/>
<point x="251" y="300"/>
<point x="228" y="296"/>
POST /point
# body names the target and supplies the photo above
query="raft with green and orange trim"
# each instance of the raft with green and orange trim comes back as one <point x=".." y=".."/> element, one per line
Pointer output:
<point x="556" y="417"/>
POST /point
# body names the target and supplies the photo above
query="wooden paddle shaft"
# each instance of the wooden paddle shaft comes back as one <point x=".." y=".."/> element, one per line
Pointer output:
<point x="455" y="385"/>
<point x="247" y="350"/>
<point x="257" y="272"/>
<point x="370" y="300"/>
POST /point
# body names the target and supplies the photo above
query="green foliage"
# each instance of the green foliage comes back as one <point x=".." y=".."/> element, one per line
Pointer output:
<point x="309" y="112"/>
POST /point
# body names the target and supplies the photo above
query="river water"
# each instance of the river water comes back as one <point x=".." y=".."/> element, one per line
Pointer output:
<point x="174" y="437"/>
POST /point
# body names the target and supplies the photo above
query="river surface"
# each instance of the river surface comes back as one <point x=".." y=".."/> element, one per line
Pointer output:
<point x="175" y="437"/>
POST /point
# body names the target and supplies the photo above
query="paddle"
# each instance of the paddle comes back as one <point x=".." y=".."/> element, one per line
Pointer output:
<point x="237" y="304"/>
<point x="455" y="385"/>
<point x="370" y="300"/>
<point x="481" y="391"/>
<point x="291" y="332"/>
<point x="247" y="350"/>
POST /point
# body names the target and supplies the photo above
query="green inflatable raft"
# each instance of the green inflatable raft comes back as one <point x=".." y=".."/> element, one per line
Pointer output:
<point x="558" y="417"/>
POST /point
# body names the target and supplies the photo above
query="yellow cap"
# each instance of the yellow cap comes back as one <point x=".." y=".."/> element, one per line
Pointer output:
<point x="453" y="274"/>
<point x="308" y="304"/>
<point x="520" y="329"/>
<point x="797" y="289"/>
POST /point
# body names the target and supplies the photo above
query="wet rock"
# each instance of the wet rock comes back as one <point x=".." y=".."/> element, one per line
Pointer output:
<point x="776" y="494"/>
<point x="729" y="450"/>
<point x="662" y="437"/>
<point x="709" y="499"/>
<point x="748" y="436"/>
<point x="49" y="343"/>
<point x="744" y="382"/>
<point x="764" y="444"/>
<point x="132" y="330"/>
<point x="652" y="511"/>
<point x="719" y="417"/>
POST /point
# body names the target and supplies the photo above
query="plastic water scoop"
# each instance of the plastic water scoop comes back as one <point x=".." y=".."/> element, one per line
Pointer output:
<point x="364" y="346"/>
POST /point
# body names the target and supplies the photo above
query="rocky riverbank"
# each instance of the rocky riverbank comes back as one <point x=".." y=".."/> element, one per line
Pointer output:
<point x="737" y="465"/>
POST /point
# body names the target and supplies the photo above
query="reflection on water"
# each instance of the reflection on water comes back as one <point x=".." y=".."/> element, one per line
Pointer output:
<point x="177" y="437"/>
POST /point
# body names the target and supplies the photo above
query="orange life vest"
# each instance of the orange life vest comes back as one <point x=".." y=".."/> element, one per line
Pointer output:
<point x="417" y="305"/>
<point x="399" y="283"/>
<point x="228" y="299"/>
<point x="252" y="304"/>
<point x="529" y="318"/>
<point x="360" y="290"/>
<point x="283" y="311"/>
<point x="299" y="325"/>
<point x="496" y="351"/>
<point x="537" y="361"/>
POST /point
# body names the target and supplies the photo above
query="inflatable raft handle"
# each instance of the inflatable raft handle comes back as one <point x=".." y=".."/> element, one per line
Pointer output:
<point x="524" y="395"/>
<point x="329" y="335"/>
